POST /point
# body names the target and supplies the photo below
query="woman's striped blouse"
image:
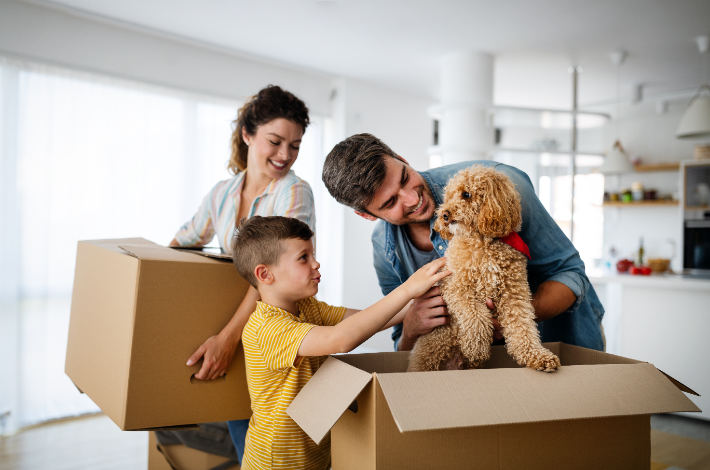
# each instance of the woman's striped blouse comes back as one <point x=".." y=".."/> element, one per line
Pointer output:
<point x="289" y="196"/>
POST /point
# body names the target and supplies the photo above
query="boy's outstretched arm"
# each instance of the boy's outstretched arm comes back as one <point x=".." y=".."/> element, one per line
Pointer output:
<point x="358" y="327"/>
<point x="394" y="321"/>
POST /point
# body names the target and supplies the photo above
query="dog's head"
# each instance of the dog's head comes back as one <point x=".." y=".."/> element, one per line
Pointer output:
<point x="479" y="199"/>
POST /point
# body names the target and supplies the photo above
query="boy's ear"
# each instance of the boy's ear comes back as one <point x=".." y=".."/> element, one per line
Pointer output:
<point x="263" y="274"/>
<point x="366" y="216"/>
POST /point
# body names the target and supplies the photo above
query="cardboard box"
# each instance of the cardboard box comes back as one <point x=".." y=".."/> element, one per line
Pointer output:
<point x="179" y="457"/>
<point x="139" y="310"/>
<point x="592" y="413"/>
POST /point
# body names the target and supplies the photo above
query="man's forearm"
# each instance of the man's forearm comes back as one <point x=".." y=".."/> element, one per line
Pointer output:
<point x="552" y="298"/>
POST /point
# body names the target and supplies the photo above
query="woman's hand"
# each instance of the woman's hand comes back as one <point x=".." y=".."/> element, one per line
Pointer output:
<point x="217" y="352"/>
<point x="425" y="277"/>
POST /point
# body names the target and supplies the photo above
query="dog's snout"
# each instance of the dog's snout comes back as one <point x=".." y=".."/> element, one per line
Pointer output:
<point x="446" y="215"/>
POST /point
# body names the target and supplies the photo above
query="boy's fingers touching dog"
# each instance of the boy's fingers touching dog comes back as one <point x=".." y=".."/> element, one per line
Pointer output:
<point x="422" y="281"/>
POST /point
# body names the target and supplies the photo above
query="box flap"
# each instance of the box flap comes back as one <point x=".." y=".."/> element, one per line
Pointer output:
<point x="396" y="361"/>
<point x="325" y="397"/>
<point x="160" y="253"/>
<point x="571" y="355"/>
<point x="453" y="399"/>
<point x="208" y="252"/>
<point x="112" y="244"/>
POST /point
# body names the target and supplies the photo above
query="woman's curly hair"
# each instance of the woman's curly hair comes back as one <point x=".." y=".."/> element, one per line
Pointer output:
<point x="270" y="103"/>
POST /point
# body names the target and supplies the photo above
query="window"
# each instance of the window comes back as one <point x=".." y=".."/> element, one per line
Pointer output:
<point x="89" y="157"/>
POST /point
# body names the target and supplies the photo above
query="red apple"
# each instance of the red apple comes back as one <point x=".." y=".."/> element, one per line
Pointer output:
<point x="623" y="265"/>
<point x="646" y="270"/>
<point x="635" y="270"/>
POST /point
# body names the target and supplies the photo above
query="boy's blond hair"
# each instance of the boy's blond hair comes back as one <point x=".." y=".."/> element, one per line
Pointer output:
<point x="258" y="241"/>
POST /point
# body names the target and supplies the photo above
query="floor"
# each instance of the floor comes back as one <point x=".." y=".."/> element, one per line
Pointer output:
<point x="94" y="442"/>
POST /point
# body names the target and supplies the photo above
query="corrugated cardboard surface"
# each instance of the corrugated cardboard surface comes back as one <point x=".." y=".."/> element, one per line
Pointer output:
<point x="135" y="320"/>
<point x="593" y="413"/>
<point x="98" y="347"/>
<point x="601" y="443"/>
<point x="353" y="445"/>
<point x="506" y="396"/>
<point x="396" y="361"/>
<point x="181" y="458"/>
<point x="340" y="383"/>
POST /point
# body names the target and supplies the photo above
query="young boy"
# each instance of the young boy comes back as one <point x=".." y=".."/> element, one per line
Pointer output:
<point x="291" y="334"/>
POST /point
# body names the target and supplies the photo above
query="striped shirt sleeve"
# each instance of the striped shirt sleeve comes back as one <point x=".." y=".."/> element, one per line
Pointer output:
<point x="330" y="315"/>
<point x="279" y="339"/>
<point x="199" y="230"/>
<point x="297" y="202"/>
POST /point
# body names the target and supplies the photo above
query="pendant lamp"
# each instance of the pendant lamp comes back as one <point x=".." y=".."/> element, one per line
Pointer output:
<point x="617" y="160"/>
<point x="695" y="123"/>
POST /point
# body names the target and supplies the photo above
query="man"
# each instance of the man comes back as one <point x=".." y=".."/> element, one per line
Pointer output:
<point x="366" y="175"/>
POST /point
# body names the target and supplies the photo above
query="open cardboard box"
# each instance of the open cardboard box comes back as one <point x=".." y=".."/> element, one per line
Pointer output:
<point x="592" y="413"/>
<point x="139" y="310"/>
<point x="180" y="457"/>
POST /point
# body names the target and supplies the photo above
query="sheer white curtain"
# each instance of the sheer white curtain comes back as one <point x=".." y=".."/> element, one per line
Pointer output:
<point x="89" y="157"/>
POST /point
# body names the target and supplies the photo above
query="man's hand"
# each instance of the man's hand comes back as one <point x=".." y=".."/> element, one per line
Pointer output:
<point x="425" y="313"/>
<point x="218" y="352"/>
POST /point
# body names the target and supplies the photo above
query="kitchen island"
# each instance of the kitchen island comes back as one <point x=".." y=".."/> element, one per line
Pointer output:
<point x="663" y="319"/>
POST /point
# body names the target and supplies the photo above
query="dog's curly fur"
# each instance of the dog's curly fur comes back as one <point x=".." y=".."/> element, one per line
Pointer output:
<point x="481" y="205"/>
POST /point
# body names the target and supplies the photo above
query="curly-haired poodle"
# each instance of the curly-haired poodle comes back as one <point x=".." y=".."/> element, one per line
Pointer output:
<point x="480" y="216"/>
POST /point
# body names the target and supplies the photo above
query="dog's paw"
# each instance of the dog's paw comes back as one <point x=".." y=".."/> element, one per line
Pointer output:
<point x="545" y="361"/>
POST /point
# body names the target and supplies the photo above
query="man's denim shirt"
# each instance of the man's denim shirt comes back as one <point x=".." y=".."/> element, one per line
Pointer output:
<point x="554" y="258"/>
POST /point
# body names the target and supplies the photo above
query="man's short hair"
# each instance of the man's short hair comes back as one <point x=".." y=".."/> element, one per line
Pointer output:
<point x="258" y="241"/>
<point x="355" y="169"/>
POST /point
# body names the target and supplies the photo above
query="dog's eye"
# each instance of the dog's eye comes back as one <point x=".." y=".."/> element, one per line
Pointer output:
<point x="466" y="195"/>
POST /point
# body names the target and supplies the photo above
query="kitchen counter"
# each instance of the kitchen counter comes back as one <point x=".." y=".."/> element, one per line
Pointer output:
<point x="663" y="319"/>
<point x="655" y="281"/>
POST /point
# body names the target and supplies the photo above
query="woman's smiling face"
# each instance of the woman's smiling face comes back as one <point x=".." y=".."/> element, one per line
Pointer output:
<point x="273" y="148"/>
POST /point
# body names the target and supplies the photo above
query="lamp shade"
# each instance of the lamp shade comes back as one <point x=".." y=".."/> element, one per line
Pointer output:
<point x="695" y="123"/>
<point x="616" y="161"/>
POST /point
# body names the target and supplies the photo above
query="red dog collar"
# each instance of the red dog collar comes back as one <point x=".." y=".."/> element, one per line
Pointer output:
<point x="514" y="240"/>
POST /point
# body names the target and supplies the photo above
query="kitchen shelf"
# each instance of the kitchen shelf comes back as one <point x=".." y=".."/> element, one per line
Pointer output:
<point x="640" y="203"/>
<point x="673" y="166"/>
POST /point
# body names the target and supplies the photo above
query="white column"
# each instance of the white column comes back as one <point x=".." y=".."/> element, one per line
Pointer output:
<point x="466" y="95"/>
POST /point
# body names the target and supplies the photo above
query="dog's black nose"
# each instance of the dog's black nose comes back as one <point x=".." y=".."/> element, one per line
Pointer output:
<point x="445" y="216"/>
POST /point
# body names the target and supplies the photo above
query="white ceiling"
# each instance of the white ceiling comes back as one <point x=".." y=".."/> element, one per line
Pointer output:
<point x="399" y="43"/>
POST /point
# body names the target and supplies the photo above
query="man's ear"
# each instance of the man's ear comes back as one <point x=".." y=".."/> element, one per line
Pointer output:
<point x="366" y="216"/>
<point x="263" y="274"/>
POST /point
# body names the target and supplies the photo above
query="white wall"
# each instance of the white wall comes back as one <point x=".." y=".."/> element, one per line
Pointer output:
<point x="401" y="121"/>
<point x="51" y="35"/>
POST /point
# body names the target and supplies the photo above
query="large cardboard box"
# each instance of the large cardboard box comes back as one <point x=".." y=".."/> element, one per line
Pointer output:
<point x="139" y="310"/>
<point x="592" y="413"/>
<point x="180" y="457"/>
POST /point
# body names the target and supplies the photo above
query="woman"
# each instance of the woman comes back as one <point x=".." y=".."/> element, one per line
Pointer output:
<point x="265" y="145"/>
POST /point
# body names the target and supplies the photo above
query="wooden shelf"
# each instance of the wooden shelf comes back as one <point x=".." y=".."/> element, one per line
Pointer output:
<point x="673" y="166"/>
<point x="640" y="203"/>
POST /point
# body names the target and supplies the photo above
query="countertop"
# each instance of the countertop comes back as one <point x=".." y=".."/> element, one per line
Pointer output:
<point x="656" y="281"/>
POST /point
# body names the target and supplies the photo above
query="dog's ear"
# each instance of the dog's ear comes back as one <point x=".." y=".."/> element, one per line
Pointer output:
<point x="499" y="206"/>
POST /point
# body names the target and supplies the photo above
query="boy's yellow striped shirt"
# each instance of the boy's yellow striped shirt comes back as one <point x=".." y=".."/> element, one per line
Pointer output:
<point x="276" y="374"/>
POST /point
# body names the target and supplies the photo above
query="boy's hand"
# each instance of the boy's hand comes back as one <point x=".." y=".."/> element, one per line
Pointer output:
<point x="425" y="277"/>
